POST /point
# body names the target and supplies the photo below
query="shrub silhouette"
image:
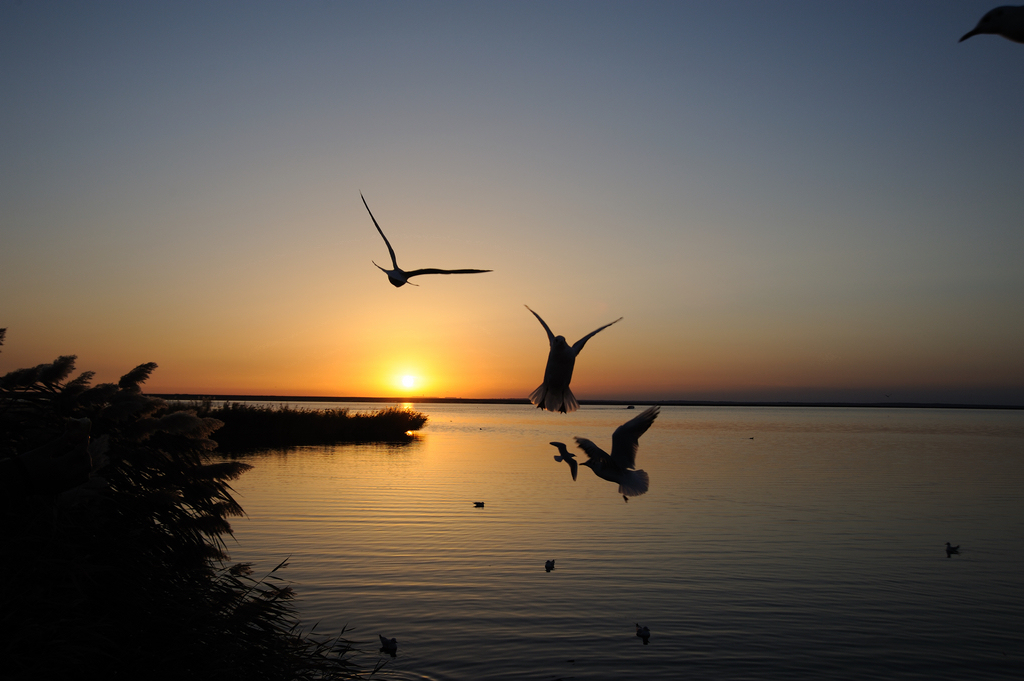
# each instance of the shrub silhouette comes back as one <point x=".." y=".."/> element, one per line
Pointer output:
<point x="124" y="577"/>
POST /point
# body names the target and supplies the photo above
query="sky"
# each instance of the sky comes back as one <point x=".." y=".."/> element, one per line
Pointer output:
<point x="783" y="200"/>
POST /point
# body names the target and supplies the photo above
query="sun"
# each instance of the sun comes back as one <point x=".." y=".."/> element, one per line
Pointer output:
<point x="407" y="380"/>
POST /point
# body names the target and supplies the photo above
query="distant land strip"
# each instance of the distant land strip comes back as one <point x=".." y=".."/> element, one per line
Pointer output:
<point x="181" y="397"/>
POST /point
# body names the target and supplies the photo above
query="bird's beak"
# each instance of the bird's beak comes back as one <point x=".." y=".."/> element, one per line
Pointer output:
<point x="968" y="35"/>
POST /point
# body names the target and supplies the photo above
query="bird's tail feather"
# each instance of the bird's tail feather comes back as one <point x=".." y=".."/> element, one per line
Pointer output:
<point x="634" y="483"/>
<point x="554" y="400"/>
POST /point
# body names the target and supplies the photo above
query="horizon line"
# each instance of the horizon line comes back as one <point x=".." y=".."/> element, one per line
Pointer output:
<point x="595" y="402"/>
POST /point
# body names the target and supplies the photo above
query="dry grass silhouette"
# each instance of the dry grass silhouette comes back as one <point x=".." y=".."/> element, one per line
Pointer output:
<point x="248" y="427"/>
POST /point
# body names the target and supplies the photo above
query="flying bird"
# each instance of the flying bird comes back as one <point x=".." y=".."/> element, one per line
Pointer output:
<point x="549" y="565"/>
<point x="643" y="633"/>
<point x="388" y="645"/>
<point x="398" y="276"/>
<point x="567" y="457"/>
<point x="1007" y="21"/>
<point x="554" y="394"/>
<point x="950" y="550"/>
<point x="618" y="466"/>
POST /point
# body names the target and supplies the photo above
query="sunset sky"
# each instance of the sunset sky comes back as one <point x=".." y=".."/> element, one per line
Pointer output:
<point x="784" y="200"/>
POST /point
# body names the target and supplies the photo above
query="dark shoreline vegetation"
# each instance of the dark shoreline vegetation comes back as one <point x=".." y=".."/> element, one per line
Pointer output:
<point x="248" y="427"/>
<point x="121" y="571"/>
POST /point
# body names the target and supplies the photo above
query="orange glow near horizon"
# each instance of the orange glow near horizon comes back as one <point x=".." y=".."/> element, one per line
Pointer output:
<point x="500" y="359"/>
<point x="782" y="254"/>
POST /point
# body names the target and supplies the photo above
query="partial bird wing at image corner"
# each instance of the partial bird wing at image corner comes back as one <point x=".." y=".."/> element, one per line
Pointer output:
<point x="1006" y="21"/>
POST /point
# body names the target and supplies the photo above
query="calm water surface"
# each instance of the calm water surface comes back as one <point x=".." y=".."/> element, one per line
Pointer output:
<point x="774" y="543"/>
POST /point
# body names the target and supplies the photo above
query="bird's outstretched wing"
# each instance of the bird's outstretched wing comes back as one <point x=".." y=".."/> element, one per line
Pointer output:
<point x="578" y="345"/>
<point x="626" y="437"/>
<point x="431" y="270"/>
<point x="592" y="450"/>
<point x="394" y="261"/>
<point x="551" y="336"/>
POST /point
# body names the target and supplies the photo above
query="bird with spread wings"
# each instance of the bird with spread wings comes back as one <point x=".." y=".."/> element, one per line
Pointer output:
<point x="554" y="394"/>
<point x="398" y="276"/>
<point x="620" y="464"/>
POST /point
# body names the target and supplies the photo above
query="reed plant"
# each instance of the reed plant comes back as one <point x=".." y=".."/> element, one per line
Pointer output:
<point x="125" y="576"/>
<point x="249" y="427"/>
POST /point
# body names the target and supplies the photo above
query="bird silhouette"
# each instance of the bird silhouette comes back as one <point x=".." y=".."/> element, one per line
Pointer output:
<point x="567" y="457"/>
<point x="549" y="565"/>
<point x="388" y="645"/>
<point x="643" y="633"/>
<point x="618" y="466"/>
<point x="554" y="394"/>
<point x="1006" y="21"/>
<point x="478" y="504"/>
<point x="950" y="550"/>
<point x="398" y="276"/>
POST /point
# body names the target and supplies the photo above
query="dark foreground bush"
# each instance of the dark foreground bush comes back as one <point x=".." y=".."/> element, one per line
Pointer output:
<point x="248" y="427"/>
<point x="120" y="573"/>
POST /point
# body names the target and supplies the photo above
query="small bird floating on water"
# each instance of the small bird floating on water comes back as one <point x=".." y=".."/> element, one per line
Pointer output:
<point x="643" y="633"/>
<point x="388" y="645"/>
<point x="1006" y="21"/>
<point x="549" y="565"/>
<point x="478" y="504"/>
<point x="553" y="393"/>
<point x="950" y="550"/>
<point x="618" y="466"/>
<point x="567" y="457"/>
<point x="398" y="276"/>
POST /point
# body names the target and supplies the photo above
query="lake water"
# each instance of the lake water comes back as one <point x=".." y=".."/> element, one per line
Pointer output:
<point x="774" y="543"/>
